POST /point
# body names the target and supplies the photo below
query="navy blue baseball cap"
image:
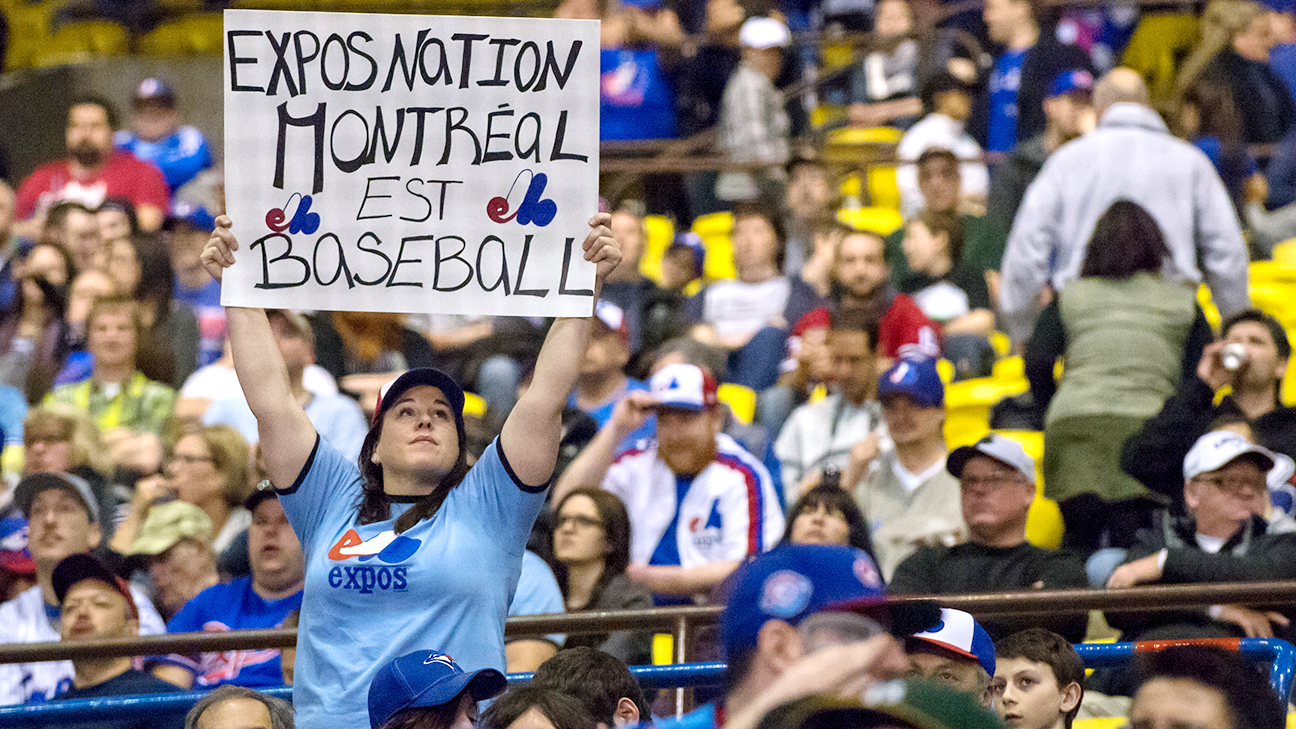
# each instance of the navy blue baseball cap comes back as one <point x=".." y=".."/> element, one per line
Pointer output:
<point x="1075" y="80"/>
<point x="916" y="378"/>
<point x="426" y="678"/>
<point x="392" y="391"/>
<point x="793" y="582"/>
<point x="186" y="214"/>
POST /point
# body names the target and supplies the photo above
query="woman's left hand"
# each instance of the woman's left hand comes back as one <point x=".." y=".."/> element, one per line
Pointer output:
<point x="601" y="247"/>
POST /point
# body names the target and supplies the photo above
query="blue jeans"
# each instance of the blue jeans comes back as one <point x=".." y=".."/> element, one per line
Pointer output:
<point x="756" y="364"/>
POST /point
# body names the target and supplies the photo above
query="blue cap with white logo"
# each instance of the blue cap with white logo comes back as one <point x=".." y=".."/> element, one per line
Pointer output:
<point x="916" y="378"/>
<point x="426" y="678"/>
<point x="792" y="582"/>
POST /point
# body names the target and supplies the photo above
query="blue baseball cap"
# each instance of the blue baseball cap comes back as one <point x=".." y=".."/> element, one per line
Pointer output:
<point x="188" y="214"/>
<point x="392" y="391"/>
<point x="426" y="678"/>
<point x="958" y="632"/>
<point x="916" y="378"/>
<point x="792" y="582"/>
<point x="1069" y="81"/>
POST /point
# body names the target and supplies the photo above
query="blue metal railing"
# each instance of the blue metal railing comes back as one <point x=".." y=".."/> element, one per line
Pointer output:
<point x="1279" y="655"/>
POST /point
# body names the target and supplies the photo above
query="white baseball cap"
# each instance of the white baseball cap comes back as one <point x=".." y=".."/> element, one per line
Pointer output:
<point x="683" y="386"/>
<point x="762" y="33"/>
<point x="1005" y="450"/>
<point x="1218" y="448"/>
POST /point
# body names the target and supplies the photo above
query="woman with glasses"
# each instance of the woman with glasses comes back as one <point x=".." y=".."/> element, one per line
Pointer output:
<point x="591" y="547"/>
<point x="209" y="469"/>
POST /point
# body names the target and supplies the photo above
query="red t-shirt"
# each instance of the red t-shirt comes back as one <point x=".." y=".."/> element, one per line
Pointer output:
<point x="905" y="331"/>
<point x="123" y="176"/>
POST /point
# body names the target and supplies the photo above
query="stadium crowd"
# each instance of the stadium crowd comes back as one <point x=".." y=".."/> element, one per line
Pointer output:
<point x="773" y="438"/>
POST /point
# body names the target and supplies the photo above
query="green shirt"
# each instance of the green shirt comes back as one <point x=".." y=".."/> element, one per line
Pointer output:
<point x="140" y="404"/>
<point x="983" y="250"/>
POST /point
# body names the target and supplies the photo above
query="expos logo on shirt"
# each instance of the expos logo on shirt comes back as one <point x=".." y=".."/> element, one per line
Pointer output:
<point x="707" y="535"/>
<point x="387" y="548"/>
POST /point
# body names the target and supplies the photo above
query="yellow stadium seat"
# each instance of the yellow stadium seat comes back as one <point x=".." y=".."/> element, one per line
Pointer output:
<point x="660" y="231"/>
<point x="1272" y="287"/>
<point x="12" y="459"/>
<point x="82" y="40"/>
<point x="883" y="221"/>
<point x="852" y="188"/>
<point x="715" y="230"/>
<point x="1102" y="722"/>
<point x="883" y="190"/>
<point x="29" y="32"/>
<point x="945" y="369"/>
<point x="865" y="135"/>
<point x="1009" y="369"/>
<point x="474" y="405"/>
<point x="195" y="35"/>
<point x="1285" y="253"/>
<point x="1159" y="43"/>
<point x="968" y="403"/>
<point x="1044" y="523"/>
<point x="741" y="401"/>
<point x="1002" y="344"/>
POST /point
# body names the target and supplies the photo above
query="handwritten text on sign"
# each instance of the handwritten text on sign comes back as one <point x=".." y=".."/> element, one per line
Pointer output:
<point x="410" y="163"/>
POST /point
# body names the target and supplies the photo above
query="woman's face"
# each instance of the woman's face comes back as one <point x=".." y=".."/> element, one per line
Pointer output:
<point x="48" y="447"/>
<point x="579" y="534"/>
<point x="123" y="265"/>
<point x="419" y="439"/>
<point x="821" y="524"/>
<point x="921" y="248"/>
<point x="42" y="262"/>
<point x="193" y="472"/>
<point x="114" y="225"/>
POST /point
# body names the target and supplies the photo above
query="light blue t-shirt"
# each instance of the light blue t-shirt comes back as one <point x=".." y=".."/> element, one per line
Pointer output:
<point x="1005" y="80"/>
<point x="372" y="595"/>
<point x="337" y="418"/>
<point x="13" y="409"/>
<point x="538" y="592"/>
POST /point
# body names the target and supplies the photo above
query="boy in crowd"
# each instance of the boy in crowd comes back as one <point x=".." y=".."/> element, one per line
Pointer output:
<point x="1038" y="681"/>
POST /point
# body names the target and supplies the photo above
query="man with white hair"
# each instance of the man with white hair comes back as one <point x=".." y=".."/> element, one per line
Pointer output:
<point x="1131" y="155"/>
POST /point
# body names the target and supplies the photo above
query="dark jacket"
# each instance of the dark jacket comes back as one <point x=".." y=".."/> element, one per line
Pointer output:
<point x="1261" y="96"/>
<point x="971" y="568"/>
<point x="1048" y="58"/>
<point x="1251" y="554"/>
<point x="1010" y="179"/>
<point x="1155" y="454"/>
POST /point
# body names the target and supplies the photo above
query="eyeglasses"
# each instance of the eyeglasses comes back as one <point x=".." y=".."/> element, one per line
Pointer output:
<point x="578" y="520"/>
<point x="1242" y="488"/>
<point x="993" y="482"/>
<point x="45" y="439"/>
<point x="189" y="459"/>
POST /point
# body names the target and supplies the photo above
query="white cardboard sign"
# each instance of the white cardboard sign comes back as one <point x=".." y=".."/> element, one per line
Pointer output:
<point x="407" y="163"/>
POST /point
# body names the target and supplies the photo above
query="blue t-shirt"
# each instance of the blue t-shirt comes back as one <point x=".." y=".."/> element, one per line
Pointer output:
<point x="13" y="409"/>
<point x="234" y="606"/>
<point x="538" y="592"/>
<point x="180" y="156"/>
<point x="636" y="100"/>
<point x="373" y="595"/>
<point x="1005" y="80"/>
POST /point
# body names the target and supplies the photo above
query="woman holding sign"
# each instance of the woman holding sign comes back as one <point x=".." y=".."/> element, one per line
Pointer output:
<point x="412" y="547"/>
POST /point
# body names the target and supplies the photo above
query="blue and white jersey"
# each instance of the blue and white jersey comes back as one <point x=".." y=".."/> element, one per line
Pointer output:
<point x="180" y="156"/>
<point x="729" y="511"/>
<point x="372" y="595"/>
<point x="233" y="606"/>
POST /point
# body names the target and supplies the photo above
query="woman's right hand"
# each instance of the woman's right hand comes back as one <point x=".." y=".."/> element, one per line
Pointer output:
<point x="149" y="491"/>
<point x="218" y="254"/>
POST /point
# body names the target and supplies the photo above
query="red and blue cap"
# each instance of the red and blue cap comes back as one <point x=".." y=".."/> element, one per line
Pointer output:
<point x="960" y="633"/>
<point x="391" y="392"/>
<point x="185" y="214"/>
<point x="793" y="582"/>
<point x="14" y="555"/>
<point x="916" y="378"/>
<point x="683" y="386"/>
<point x="426" y="678"/>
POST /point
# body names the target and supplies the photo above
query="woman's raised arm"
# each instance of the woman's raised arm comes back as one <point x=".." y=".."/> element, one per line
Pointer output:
<point x="287" y="436"/>
<point x="531" y="434"/>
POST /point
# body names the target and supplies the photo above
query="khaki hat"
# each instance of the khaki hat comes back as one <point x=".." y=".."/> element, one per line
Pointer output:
<point x="167" y="524"/>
